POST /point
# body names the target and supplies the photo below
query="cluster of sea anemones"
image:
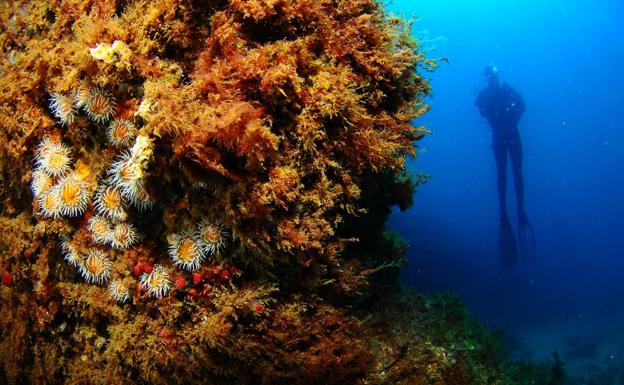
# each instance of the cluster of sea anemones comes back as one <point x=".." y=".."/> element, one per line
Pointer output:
<point x="120" y="235"/>
<point x="125" y="183"/>
<point x="98" y="104"/>
<point x="60" y="191"/>
<point x="94" y="265"/>
<point x="57" y="188"/>
<point x="189" y="249"/>
<point x="127" y="173"/>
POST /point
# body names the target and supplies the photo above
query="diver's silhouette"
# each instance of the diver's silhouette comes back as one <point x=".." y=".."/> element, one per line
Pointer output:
<point x="503" y="107"/>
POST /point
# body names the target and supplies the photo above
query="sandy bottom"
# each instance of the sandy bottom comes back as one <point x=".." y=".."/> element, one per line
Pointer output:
<point x="591" y="350"/>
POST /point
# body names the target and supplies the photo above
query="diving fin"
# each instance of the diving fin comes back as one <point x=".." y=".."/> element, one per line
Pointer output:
<point x="526" y="239"/>
<point x="507" y="244"/>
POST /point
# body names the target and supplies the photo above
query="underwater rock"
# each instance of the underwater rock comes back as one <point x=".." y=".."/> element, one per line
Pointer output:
<point x="184" y="190"/>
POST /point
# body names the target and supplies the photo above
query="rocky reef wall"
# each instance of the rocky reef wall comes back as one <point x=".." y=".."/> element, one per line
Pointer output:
<point x="196" y="192"/>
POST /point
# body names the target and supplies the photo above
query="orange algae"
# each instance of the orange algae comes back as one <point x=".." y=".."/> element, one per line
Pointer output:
<point x="294" y="116"/>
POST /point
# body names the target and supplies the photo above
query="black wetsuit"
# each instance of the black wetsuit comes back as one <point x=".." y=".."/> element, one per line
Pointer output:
<point x="503" y="107"/>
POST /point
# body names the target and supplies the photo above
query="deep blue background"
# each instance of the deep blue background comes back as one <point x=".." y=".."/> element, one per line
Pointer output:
<point x="567" y="60"/>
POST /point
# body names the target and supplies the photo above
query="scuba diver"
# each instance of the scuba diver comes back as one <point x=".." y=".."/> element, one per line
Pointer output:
<point x="502" y="107"/>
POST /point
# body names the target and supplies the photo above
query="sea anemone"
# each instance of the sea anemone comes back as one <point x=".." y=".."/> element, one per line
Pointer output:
<point x="109" y="202"/>
<point x="99" y="106"/>
<point x="185" y="251"/>
<point x="82" y="94"/>
<point x="123" y="236"/>
<point x="41" y="182"/>
<point x="70" y="253"/>
<point x="121" y="133"/>
<point x="62" y="107"/>
<point x="129" y="169"/>
<point x="100" y="229"/>
<point x="157" y="282"/>
<point x="143" y="201"/>
<point x="127" y="175"/>
<point x="73" y="195"/>
<point x="96" y="268"/>
<point x="212" y="236"/>
<point x="118" y="291"/>
<point x="53" y="157"/>
<point x="50" y="203"/>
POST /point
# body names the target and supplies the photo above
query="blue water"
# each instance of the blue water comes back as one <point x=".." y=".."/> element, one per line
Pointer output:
<point x="567" y="60"/>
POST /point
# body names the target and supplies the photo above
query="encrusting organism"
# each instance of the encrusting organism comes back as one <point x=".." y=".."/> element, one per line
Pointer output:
<point x="212" y="236"/>
<point x="109" y="202"/>
<point x="73" y="195"/>
<point x="71" y="255"/>
<point x="96" y="267"/>
<point x="100" y="229"/>
<point x="185" y="251"/>
<point x="121" y="133"/>
<point x="53" y="157"/>
<point x="99" y="105"/>
<point x="118" y="291"/>
<point x="156" y="282"/>
<point x="41" y="182"/>
<point x="62" y="106"/>
<point x="123" y="236"/>
<point x="50" y="203"/>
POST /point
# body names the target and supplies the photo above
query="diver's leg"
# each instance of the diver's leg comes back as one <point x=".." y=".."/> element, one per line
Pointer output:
<point x="526" y="237"/>
<point x="500" y="155"/>
<point x="506" y="238"/>
<point x="515" y="154"/>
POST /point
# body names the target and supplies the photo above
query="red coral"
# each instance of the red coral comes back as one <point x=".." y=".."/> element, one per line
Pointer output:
<point x="180" y="283"/>
<point x="6" y="278"/>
